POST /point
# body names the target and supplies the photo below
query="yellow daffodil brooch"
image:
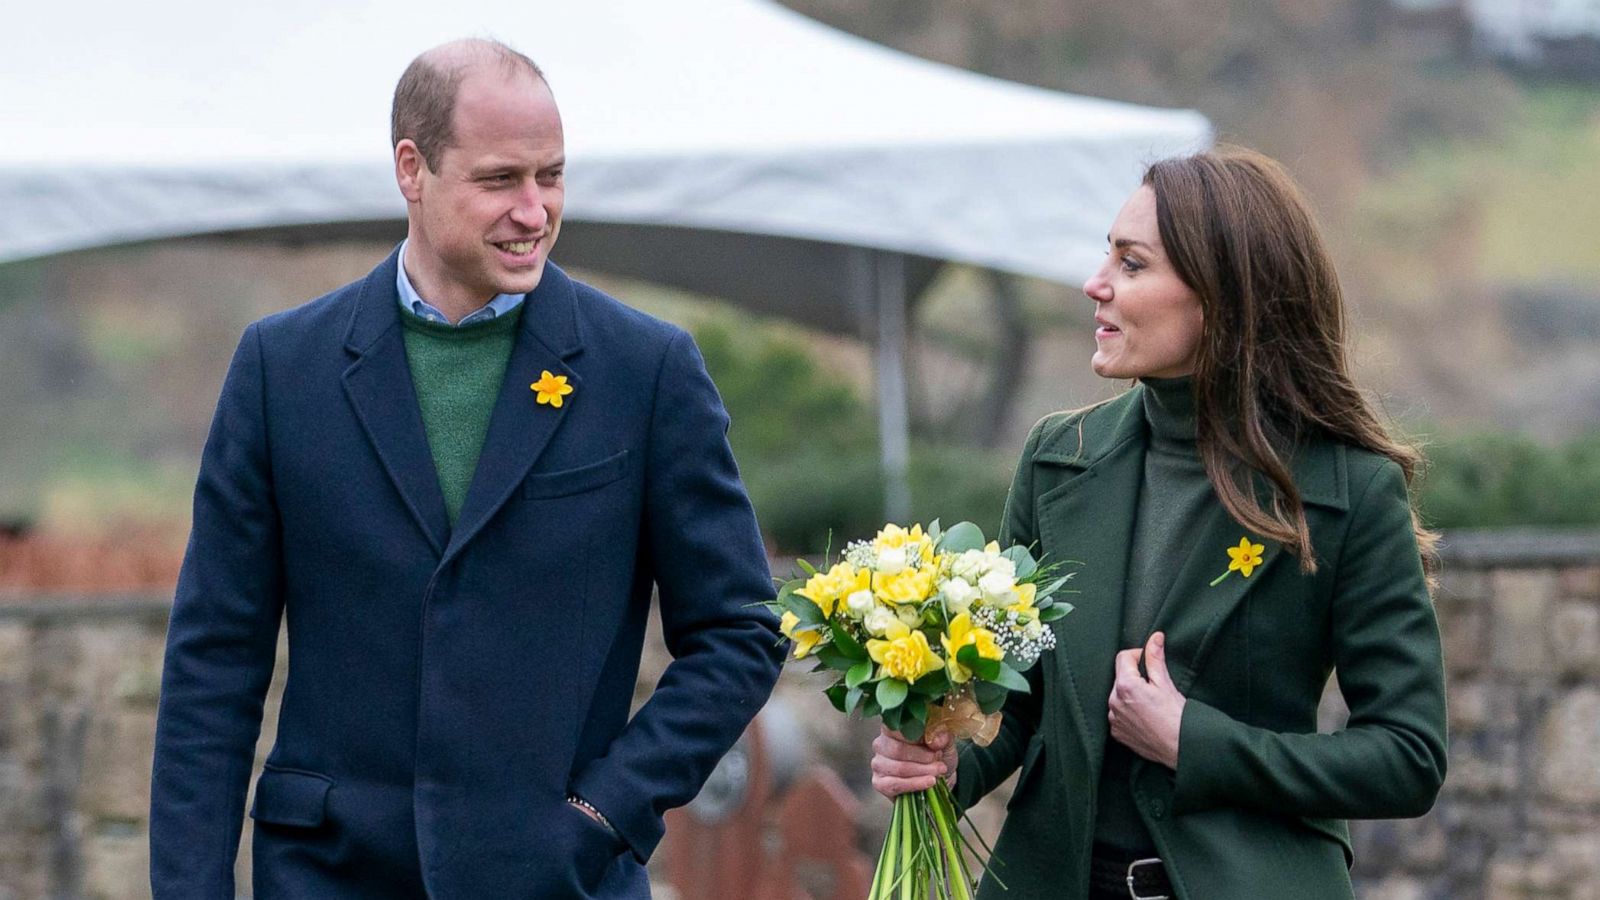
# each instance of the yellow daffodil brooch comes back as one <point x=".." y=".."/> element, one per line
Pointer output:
<point x="551" y="388"/>
<point x="1242" y="559"/>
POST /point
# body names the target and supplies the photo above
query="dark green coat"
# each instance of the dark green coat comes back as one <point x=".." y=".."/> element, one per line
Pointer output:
<point x="1258" y="802"/>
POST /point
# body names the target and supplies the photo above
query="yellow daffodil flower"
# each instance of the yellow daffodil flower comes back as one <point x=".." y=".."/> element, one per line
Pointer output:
<point x="551" y="388"/>
<point x="908" y="586"/>
<point x="904" y="653"/>
<point x="1023" y="605"/>
<point x="827" y="589"/>
<point x="1242" y="559"/>
<point x="804" y="641"/>
<point x="916" y="544"/>
<point x="961" y="633"/>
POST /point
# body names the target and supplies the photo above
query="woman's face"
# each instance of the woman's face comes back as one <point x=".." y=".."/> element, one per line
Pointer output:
<point x="1149" y="320"/>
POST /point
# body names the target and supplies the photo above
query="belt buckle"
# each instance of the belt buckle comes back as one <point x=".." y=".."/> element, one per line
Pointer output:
<point x="1133" y="892"/>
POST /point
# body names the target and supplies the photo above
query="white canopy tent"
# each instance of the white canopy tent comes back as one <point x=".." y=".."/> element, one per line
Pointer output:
<point x="728" y="146"/>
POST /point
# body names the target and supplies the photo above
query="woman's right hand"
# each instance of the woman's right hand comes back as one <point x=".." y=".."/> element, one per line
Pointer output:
<point x="900" y="766"/>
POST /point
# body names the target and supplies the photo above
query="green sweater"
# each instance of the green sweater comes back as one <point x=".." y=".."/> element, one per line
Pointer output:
<point x="457" y="372"/>
<point x="1172" y="498"/>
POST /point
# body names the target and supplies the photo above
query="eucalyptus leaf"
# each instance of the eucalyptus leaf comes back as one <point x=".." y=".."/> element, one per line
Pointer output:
<point x="1011" y="679"/>
<point x="1023" y="560"/>
<point x="916" y="707"/>
<point x="891" y="693"/>
<point x="806" y="567"/>
<point x="870" y="707"/>
<point x="852" y="697"/>
<point x="1054" y="611"/>
<point x="961" y="537"/>
<point x="859" y="674"/>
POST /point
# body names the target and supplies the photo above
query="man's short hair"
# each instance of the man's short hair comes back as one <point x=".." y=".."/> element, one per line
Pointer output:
<point x="425" y="99"/>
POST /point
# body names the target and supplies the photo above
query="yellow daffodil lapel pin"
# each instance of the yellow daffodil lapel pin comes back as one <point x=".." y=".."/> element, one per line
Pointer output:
<point x="1242" y="559"/>
<point x="551" y="388"/>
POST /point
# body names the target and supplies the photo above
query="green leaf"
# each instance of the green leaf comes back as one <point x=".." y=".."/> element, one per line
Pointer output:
<point x="870" y="707"/>
<point x="833" y="658"/>
<point x="1054" y="611"/>
<point x="891" y="718"/>
<point x="1011" y="679"/>
<point x="806" y="567"/>
<point x="809" y="613"/>
<point x="859" y="674"/>
<point x="990" y="696"/>
<point x="934" y="532"/>
<point x="846" y="642"/>
<point x="916" y="708"/>
<point x="836" y="696"/>
<point x="985" y="669"/>
<point x="1023" y="560"/>
<point x="851" y="698"/>
<point x="963" y="536"/>
<point x="933" y="684"/>
<point x="912" y="728"/>
<point x="891" y="693"/>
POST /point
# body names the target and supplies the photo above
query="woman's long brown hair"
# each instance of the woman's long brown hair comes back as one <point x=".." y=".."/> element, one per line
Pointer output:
<point x="1272" y="368"/>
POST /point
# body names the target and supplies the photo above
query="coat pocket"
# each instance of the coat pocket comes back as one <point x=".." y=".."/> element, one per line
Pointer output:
<point x="290" y="797"/>
<point x="546" y="485"/>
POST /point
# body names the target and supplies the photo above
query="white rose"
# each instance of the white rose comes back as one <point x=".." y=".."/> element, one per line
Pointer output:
<point x="1033" y="629"/>
<point x="997" y="586"/>
<point x="877" y="621"/>
<point x="958" y="595"/>
<point x="909" y="615"/>
<point x="859" y="604"/>
<point x="968" y="565"/>
<point x="892" y="561"/>
<point x="1001" y="565"/>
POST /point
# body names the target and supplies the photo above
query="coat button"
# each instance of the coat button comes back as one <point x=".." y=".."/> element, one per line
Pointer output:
<point x="1157" y="809"/>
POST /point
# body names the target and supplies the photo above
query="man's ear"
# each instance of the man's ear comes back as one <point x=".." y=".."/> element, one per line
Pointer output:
<point x="408" y="166"/>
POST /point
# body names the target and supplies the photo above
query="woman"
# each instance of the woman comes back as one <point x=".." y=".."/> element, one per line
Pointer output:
<point x="1245" y="530"/>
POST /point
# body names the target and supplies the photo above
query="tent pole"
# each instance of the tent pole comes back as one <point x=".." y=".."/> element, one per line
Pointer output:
<point x="894" y="421"/>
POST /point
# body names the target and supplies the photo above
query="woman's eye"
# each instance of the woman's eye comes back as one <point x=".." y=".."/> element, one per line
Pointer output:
<point x="1130" y="265"/>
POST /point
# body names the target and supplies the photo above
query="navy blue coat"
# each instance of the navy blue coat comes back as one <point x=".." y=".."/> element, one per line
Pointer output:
<point x="448" y="687"/>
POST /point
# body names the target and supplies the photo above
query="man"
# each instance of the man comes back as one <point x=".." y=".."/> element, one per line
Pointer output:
<point x="458" y="479"/>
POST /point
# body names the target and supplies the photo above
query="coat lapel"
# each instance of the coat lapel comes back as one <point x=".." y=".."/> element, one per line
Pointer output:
<point x="1194" y="609"/>
<point x="379" y="386"/>
<point x="1090" y="517"/>
<point x="520" y="427"/>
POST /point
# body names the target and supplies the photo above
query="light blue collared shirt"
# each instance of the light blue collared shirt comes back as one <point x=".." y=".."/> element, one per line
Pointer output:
<point x="411" y="300"/>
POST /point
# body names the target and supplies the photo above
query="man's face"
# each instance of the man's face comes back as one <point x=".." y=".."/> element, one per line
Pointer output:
<point x="484" y="222"/>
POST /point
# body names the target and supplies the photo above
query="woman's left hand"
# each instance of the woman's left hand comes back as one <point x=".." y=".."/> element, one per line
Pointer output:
<point x="1146" y="715"/>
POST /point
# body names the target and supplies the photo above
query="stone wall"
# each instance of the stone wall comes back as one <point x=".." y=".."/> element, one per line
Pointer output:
<point x="1520" y="813"/>
<point x="1519" y="816"/>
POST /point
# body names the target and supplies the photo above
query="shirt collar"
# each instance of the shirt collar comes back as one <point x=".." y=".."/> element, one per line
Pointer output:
<point x="411" y="300"/>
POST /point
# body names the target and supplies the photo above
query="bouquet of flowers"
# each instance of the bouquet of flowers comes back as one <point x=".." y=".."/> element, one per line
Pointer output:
<point x="929" y="630"/>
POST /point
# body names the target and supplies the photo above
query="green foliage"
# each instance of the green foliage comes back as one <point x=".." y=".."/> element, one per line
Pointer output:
<point x="1500" y="479"/>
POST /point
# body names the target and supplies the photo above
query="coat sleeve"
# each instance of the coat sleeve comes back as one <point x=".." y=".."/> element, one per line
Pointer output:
<point x="711" y="572"/>
<point x="981" y="769"/>
<point x="1389" y="760"/>
<point x="221" y="645"/>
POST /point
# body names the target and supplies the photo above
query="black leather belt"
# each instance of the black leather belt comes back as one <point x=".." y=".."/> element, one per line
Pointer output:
<point x="1144" y="878"/>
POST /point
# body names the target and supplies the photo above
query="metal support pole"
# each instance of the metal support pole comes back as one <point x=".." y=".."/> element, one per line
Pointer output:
<point x="894" y="421"/>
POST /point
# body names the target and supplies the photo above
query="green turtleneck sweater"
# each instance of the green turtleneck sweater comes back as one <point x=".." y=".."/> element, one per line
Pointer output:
<point x="1173" y="496"/>
<point x="457" y="371"/>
